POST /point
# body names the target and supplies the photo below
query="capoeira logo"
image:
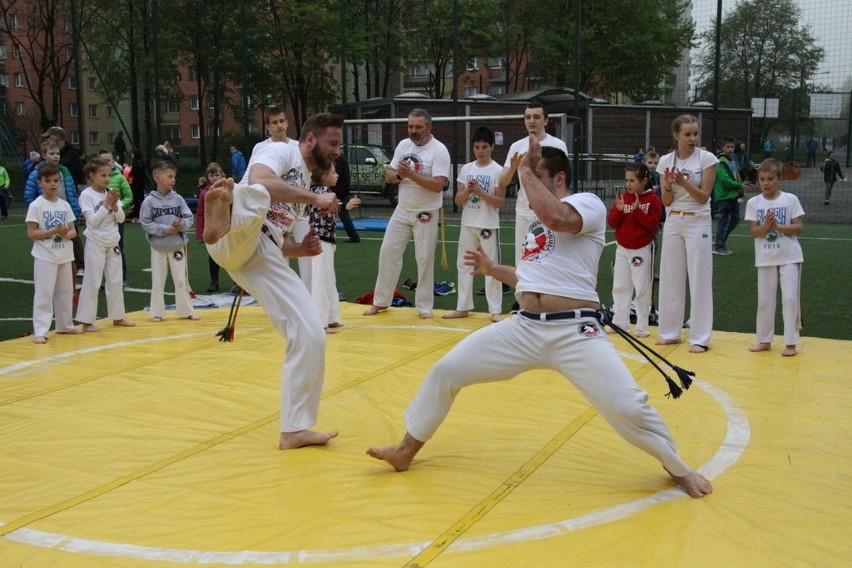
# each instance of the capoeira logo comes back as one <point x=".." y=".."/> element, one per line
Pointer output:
<point x="116" y="250"/>
<point x="414" y="162"/>
<point x="424" y="216"/>
<point x="538" y="243"/>
<point x="588" y="329"/>
<point x="178" y="255"/>
<point x="486" y="234"/>
<point x="637" y="261"/>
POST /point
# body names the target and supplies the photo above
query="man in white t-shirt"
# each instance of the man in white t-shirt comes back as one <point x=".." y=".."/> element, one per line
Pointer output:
<point x="421" y="167"/>
<point x="535" y="121"/>
<point x="556" y="328"/>
<point x="246" y="230"/>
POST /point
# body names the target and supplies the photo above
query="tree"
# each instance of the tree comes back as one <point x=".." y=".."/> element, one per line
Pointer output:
<point x="767" y="53"/>
<point x="38" y="37"/>
<point x="373" y="40"/>
<point x="430" y="36"/>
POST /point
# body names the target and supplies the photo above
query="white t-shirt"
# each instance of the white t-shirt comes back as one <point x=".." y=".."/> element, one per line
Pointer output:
<point x="101" y="230"/>
<point x="290" y="141"/>
<point x="476" y="212"/>
<point x="522" y="206"/>
<point x="565" y="264"/>
<point x="49" y="215"/>
<point x="691" y="168"/>
<point x="285" y="160"/>
<point x="773" y="248"/>
<point x="430" y="160"/>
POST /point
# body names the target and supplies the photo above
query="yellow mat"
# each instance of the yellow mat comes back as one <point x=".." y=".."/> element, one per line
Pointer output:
<point x="157" y="446"/>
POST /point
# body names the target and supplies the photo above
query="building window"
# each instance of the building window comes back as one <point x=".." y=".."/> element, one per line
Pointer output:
<point x="193" y="73"/>
<point x="109" y="111"/>
<point x="19" y="79"/>
<point x="170" y="105"/>
<point x="420" y="71"/>
<point x="92" y="84"/>
<point x="15" y="22"/>
<point x="72" y="83"/>
<point x="473" y="64"/>
<point x="16" y="51"/>
<point x="69" y="54"/>
<point x="20" y="109"/>
<point x="194" y="131"/>
<point x="193" y="102"/>
<point x="4" y="80"/>
<point x="73" y="109"/>
<point x="110" y="138"/>
<point x="495" y="63"/>
<point x="3" y="54"/>
<point x="93" y="111"/>
<point x="210" y="130"/>
<point x="75" y="137"/>
<point x="470" y="91"/>
<point x="66" y="27"/>
<point x="93" y="138"/>
<point x="172" y="134"/>
<point x="497" y="90"/>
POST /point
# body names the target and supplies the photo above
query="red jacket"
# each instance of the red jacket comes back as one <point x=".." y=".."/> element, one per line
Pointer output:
<point x="635" y="226"/>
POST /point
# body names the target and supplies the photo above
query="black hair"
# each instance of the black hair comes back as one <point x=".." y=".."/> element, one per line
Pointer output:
<point x="483" y="134"/>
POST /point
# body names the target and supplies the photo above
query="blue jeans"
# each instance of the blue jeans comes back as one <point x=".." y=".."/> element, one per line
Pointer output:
<point x="729" y="218"/>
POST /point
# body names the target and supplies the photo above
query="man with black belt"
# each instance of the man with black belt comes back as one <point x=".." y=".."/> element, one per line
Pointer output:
<point x="557" y="327"/>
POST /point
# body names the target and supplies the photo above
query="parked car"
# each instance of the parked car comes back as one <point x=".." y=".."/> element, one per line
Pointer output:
<point x="367" y="166"/>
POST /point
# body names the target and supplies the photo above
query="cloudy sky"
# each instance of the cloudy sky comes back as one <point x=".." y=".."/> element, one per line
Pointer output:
<point x="830" y="22"/>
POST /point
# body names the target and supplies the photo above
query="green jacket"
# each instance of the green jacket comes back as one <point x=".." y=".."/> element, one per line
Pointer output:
<point x="727" y="186"/>
<point x="118" y="182"/>
<point x="4" y="178"/>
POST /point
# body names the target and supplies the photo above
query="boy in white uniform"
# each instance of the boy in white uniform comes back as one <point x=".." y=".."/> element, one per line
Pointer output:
<point x="421" y="166"/>
<point x="50" y="225"/>
<point x="775" y="219"/>
<point x="246" y="230"/>
<point x="535" y="120"/>
<point x="557" y="327"/>
<point x="482" y="197"/>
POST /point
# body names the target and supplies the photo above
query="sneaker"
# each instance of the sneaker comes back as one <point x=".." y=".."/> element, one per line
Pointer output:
<point x="723" y="251"/>
<point x="410" y="284"/>
<point x="80" y="272"/>
<point x="826" y="203"/>
<point x="213" y="287"/>
<point x="445" y="288"/>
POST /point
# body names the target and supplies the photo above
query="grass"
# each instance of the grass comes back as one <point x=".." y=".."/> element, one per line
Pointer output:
<point x="826" y="293"/>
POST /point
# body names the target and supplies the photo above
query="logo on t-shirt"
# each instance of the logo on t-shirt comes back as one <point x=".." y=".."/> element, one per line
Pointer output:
<point x="414" y="162"/>
<point x="538" y="243"/>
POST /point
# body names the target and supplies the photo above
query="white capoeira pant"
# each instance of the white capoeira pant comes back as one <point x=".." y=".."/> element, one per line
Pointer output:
<point x="323" y="283"/>
<point x="687" y="252"/>
<point x="54" y="293"/>
<point x="469" y="239"/>
<point x="767" y="289"/>
<point x="102" y="262"/>
<point x="633" y="270"/>
<point x="161" y="262"/>
<point x="258" y="266"/>
<point x="522" y="225"/>
<point x="577" y="348"/>
<point x="402" y="225"/>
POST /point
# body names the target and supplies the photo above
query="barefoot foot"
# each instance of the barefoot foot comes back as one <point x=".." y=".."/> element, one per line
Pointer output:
<point x="425" y="315"/>
<point x="496" y="318"/>
<point x="123" y="323"/>
<point x="455" y="315"/>
<point x="695" y="484"/>
<point x="193" y="317"/>
<point x="695" y="348"/>
<point x="399" y="456"/>
<point x="71" y="331"/>
<point x="156" y="319"/>
<point x="40" y="339"/>
<point x="373" y="310"/>
<point x="760" y="347"/>
<point x="668" y="341"/>
<point x="642" y="334"/>
<point x="217" y="211"/>
<point x="789" y="351"/>
<point x="90" y="328"/>
<point x="330" y="330"/>
<point x="302" y="438"/>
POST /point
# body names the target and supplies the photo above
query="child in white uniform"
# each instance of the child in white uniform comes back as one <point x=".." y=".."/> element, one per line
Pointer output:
<point x="775" y="219"/>
<point x="687" y="181"/>
<point x="102" y="212"/>
<point x="50" y="225"/>
<point x="481" y="195"/>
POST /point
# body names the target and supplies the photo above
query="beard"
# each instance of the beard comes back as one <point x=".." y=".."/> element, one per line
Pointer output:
<point x="322" y="161"/>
